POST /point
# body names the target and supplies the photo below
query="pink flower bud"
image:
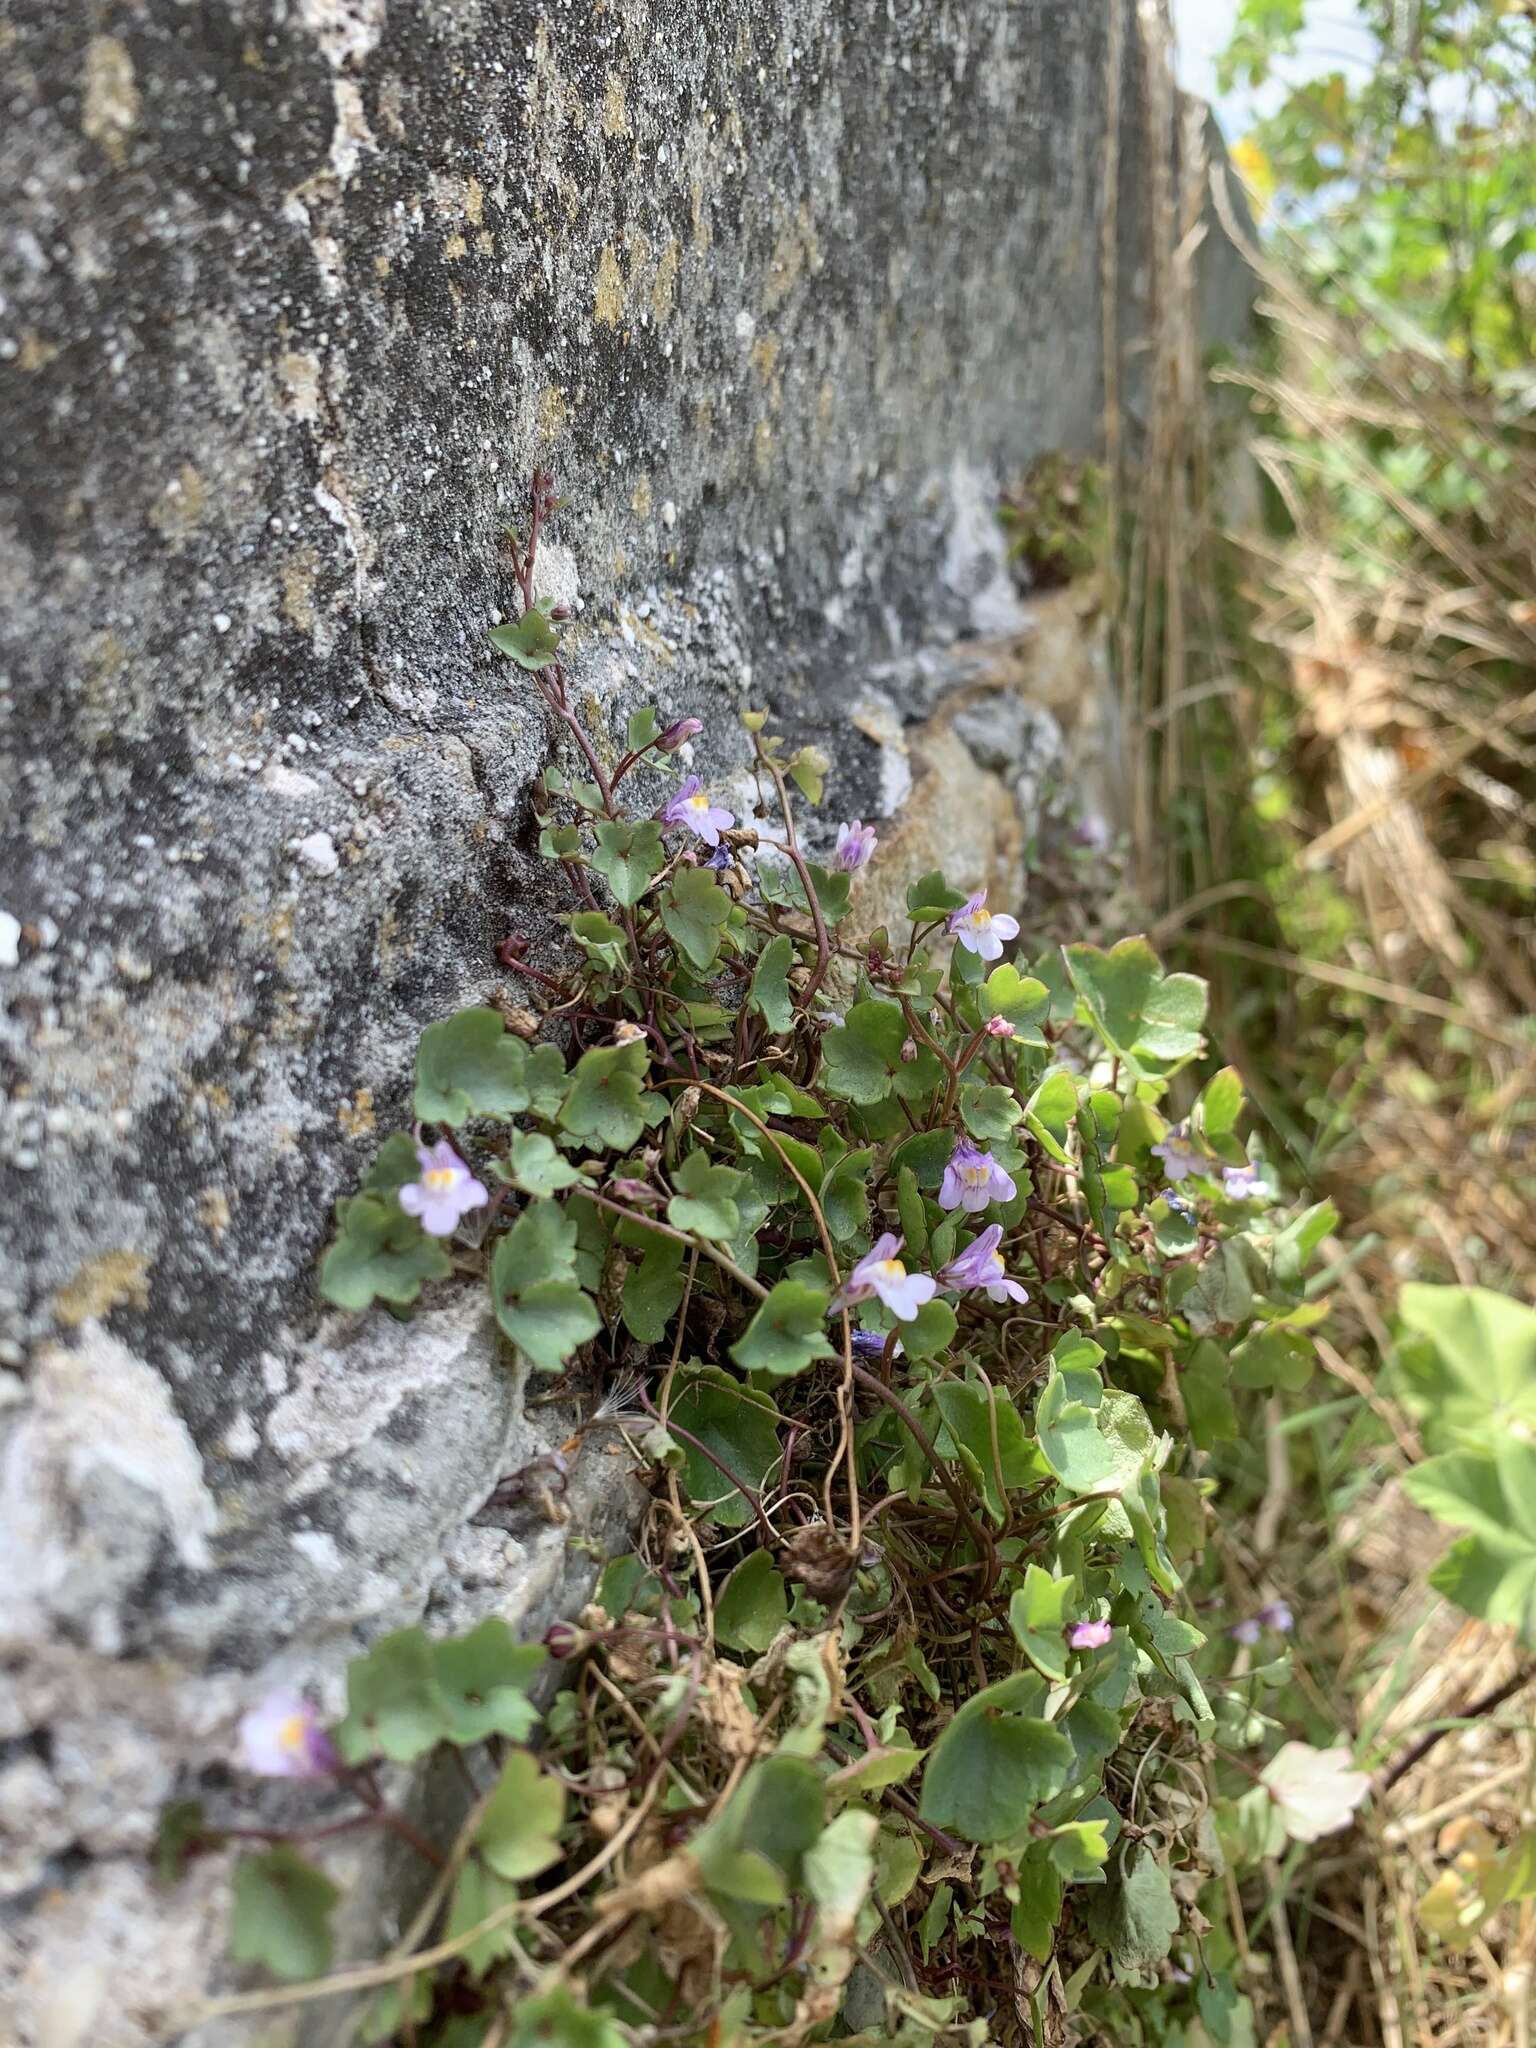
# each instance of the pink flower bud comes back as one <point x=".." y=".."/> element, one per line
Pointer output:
<point x="564" y="1640"/>
<point x="908" y="1050"/>
<point x="999" y="1027"/>
<point x="678" y="734"/>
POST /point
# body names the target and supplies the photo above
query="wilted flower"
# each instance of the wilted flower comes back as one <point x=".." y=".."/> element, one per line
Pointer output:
<point x="1241" y="1183"/>
<point x="880" y="1272"/>
<point x="978" y="930"/>
<point x="981" y="1265"/>
<point x="692" y="808"/>
<point x="719" y="860"/>
<point x="563" y="1640"/>
<point x="1247" y="1631"/>
<point x="1088" y="1635"/>
<point x="678" y="734"/>
<point x="999" y="1027"/>
<point x="972" y="1179"/>
<point x="855" y="844"/>
<point x="1315" y="1789"/>
<point x="627" y="1031"/>
<point x="445" y="1192"/>
<point x="640" y="1192"/>
<point x="1277" y="1615"/>
<point x="282" y="1738"/>
<point x="872" y="1343"/>
<point x="1180" y="1155"/>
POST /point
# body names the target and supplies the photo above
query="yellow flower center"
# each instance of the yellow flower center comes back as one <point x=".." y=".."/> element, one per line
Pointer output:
<point x="978" y="920"/>
<point x="892" y="1269"/>
<point x="290" y="1733"/>
<point x="976" y="1176"/>
<point x="997" y="1260"/>
<point x="698" y="802"/>
<point x="440" y="1177"/>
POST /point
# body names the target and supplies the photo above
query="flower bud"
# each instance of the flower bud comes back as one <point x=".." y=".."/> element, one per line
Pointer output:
<point x="564" y="1640"/>
<point x="999" y="1027"/>
<point x="908" y="1051"/>
<point x="626" y="1032"/>
<point x="559" y="611"/>
<point x="639" y="1192"/>
<point x="678" y="734"/>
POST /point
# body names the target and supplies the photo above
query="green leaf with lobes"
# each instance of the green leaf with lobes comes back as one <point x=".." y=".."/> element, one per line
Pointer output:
<point x="534" y="1166"/>
<point x="752" y="1606"/>
<point x="396" y="1705"/>
<point x="530" y="641"/>
<point x="282" y="1914"/>
<point x="862" y="1057"/>
<point x="606" y="1102"/>
<point x="379" y="1252"/>
<point x="539" y="1302"/>
<point x="788" y="1332"/>
<point x="519" y="1831"/>
<point x="770" y="995"/>
<point x="705" y="1198"/>
<point x="694" y="909"/>
<point x="995" y="1763"/>
<point x="739" y="1426"/>
<point x="484" y="1677"/>
<point x="1038" y="1614"/>
<point x="471" y="1065"/>
<point x="629" y="857"/>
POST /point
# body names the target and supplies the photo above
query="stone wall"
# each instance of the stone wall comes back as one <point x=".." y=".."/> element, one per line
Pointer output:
<point x="292" y="295"/>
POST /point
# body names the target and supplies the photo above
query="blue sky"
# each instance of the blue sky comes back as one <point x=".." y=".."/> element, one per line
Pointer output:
<point x="1334" y="40"/>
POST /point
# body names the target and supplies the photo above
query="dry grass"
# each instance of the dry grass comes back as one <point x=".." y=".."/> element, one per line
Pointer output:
<point x="1404" y="685"/>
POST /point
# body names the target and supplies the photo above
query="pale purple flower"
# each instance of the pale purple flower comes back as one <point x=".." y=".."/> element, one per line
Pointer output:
<point x="981" y="1265"/>
<point x="881" y="1273"/>
<point x="1091" y="830"/>
<point x="978" y="930"/>
<point x="1088" y="1635"/>
<point x="999" y="1027"/>
<point x="972" y="1179"/>
<point x="855" y="845"/>
<point x="1180" y="1155"/>
<point x="282" y="1738"/>
<point x="872" y="1343"/>
<point x="1241" y="1183"/>
<point x="690" y="807"/>
<point x="445" y="1191"/>
<point x="1315" y="1789"/>
<point x="1276" y="1614"/>
<point x="1247" y="1631"/>
<point x="678" y="734"/>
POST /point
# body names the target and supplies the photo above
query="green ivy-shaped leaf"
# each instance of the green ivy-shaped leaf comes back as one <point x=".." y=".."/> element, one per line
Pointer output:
<point x="606" y="1103"/>
<point x="1019" y="998"/>
<point x="629" y="857"/>
<point x="1050" y="1111"/>
<point x="1135" y="1916"/>
<point x="653" y="1289"/>
<point x="705" y="1201"/>
<point x="603" y="941"/>
<point x="519" y="1832"/>
<point x="1038" y="1614"/>
<point x="989" y="1112"/>
<point x="282" y="1914"/>
<point x="534" y="1165"/>
<point x="396" y="1706"/>
<point x="530" y="641"/>
<point x="972" y="1421"/>
<point x="752" y="1606"/>
<point x="643" y="729"/>
<point x="1491" y="1571"/>
<point x="995" y="1763"/>
<point x="548" y="1321"/>
<point x="788" y="1332"/>
<point x="379" y="1252"/>
<point x="477" y="1894"/>
<point x="770" y="995"/>
<point x="739" y="1426"/>
<point x="861" y="1057"/>
<point x="484" y="1677"/>
<point x="694" y="909"/>
<point x="1472" y="1379"/>
<point x="930" y="897"/>
<point x="471" y="1065"/>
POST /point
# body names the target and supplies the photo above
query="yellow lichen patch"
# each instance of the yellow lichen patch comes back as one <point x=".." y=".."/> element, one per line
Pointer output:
<point x="796" y="253"/>
<point x="110" y="112"/>
<point x="762" y="449"/>
<point x="280" y="933"/>
<point x="609" y="300"/>
<point x="455" y="248"/>
<point x="474" y="202"/>
<point x="299" y="590"/>
<point x="381" y="266"/>
<point x="640" y="499"/>
<point x="704" y="415"/>
<point x="213" y="1212"/>
<point x="179" y="509"/>
<point x="615" y="113"/>
<point x="703" y="231"/>
<point x="826" y="401"/>
<point x="485" y="243"/>
<point x="765" y="359"/>
<point x="299" y="370"/>
<point x="33" y="353"/>
<point x="664" y="290"/>
<point x="552" y="411"/>
<point x="356" y="1117"/>
<point x="101" y="1285"/>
